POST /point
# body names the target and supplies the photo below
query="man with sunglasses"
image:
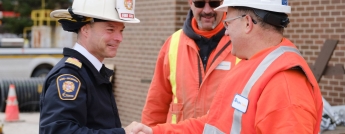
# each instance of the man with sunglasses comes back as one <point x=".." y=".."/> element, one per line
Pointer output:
<point x="271" y="91"/>
<point x="190" y="66"/>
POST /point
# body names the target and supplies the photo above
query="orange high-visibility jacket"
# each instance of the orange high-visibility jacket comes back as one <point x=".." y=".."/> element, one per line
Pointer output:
<point x="274" y="92"/>
<point x="190" y="92"/>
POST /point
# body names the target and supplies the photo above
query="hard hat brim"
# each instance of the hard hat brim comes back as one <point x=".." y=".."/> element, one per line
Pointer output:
<point x="63" y="13"/>
<point x="273" y="8"/>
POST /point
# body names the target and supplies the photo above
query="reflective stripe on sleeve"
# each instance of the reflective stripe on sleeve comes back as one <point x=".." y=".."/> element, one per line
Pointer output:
<point x="173" y="49"/>
<point x="209" y="129"/>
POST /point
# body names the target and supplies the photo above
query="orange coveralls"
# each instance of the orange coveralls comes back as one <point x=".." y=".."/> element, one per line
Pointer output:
<point x="283" y="98"/>
<point x="195" y="87"/>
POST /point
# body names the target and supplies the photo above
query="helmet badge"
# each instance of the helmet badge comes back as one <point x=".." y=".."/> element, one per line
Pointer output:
<point x="129" y="4"/>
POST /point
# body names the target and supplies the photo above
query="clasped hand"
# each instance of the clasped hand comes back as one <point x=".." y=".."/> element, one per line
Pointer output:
<point x="138" y="128"/>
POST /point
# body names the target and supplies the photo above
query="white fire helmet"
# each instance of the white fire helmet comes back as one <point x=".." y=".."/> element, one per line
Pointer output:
<point x="110" y="10"/>
<point x="280" y="6"/>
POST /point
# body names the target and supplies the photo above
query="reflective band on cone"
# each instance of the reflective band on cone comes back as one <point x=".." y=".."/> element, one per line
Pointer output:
<point x="12" y="109"/>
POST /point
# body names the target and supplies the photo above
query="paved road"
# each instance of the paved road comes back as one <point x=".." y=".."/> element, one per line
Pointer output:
<point x="28" y="124"/>
<point x="338" y="130"/>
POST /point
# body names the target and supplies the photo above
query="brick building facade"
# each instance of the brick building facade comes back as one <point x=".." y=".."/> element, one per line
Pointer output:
<point x="312" y="22"/>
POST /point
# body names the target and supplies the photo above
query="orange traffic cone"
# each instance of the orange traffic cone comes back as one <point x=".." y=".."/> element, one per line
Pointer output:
<point x="12" y="109"/>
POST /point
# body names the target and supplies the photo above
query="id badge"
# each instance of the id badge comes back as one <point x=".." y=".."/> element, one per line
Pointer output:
<point x="240" y="103"/>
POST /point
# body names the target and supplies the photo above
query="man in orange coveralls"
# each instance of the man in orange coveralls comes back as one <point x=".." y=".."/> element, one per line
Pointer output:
<point x="190" y="66"/>
<point x="271" y="91"/>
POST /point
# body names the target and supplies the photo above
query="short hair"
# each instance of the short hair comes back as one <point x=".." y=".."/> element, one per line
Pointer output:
<point x="247" y="10"/>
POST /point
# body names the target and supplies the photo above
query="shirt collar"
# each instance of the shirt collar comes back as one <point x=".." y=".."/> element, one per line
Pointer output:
<point x="95" y="62"/>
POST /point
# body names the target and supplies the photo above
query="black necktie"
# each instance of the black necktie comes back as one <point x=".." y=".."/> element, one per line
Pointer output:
<point x="103" y="71"/>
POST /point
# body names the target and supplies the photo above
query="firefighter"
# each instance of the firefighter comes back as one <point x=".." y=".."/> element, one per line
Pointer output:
<point x="271" y="91"/>
<point x="77" y="96"/>
<point x="189" y="67"/>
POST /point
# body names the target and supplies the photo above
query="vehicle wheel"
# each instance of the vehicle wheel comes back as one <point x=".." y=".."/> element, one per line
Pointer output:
<point x="41" y="72"/>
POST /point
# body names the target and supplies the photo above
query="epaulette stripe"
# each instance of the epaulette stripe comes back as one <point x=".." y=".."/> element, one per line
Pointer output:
<point x="74" y="62"/>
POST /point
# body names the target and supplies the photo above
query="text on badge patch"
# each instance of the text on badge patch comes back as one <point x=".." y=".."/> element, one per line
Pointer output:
<point x="68" y="86"/>
<point x="125" y="8"/>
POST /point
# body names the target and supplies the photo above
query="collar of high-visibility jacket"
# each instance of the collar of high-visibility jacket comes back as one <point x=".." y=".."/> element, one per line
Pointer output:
<point x="266" y="49"/>
<point x="207" y="34"/>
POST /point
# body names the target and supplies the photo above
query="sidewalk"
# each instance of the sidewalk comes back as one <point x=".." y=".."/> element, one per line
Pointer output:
<point x="338" y="130"/>
<point x="28" y="124"/>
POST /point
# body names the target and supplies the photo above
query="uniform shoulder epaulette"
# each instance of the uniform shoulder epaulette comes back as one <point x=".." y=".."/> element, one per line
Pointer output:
<point x="74" y="61"/>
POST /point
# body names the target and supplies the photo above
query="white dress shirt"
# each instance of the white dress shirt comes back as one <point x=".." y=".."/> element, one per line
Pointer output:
<point x="95" y="62"/>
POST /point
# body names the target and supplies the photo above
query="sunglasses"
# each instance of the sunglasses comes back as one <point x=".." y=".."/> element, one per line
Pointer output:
<point x="201" y="4"/>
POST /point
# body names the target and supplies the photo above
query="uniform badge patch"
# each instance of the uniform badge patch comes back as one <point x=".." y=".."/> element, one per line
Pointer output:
<point x="68" y="86"/>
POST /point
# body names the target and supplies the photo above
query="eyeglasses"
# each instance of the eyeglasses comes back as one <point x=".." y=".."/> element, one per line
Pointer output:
<point x="201" y="4"/>
<point x="226" y="22"/>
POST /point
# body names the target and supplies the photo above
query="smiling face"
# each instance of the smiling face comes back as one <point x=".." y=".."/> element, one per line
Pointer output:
<point x="235" y="28"/>
<point x="103" y="38"/>
<point x="205" y="15"/>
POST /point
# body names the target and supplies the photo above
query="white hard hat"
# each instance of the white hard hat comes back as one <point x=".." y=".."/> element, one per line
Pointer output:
<point x="110" y="10"/>
<point x="279" y="6"/>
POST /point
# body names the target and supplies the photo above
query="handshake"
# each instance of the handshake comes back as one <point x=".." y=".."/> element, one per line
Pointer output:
<point x="137" y="128"/>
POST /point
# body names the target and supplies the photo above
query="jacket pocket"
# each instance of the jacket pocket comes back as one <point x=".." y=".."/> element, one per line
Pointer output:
<point x="175" y="114"/>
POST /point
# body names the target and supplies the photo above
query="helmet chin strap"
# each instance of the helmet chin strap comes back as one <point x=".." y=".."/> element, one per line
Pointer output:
<point x="273" y="18"/>
<point x="79" y="18"/>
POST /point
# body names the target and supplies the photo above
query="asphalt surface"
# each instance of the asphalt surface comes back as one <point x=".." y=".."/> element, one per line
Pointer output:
<point x="28" y="124"/>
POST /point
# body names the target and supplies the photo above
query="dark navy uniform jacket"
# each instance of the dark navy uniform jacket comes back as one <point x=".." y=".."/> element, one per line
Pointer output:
<point x="76" y="98"/>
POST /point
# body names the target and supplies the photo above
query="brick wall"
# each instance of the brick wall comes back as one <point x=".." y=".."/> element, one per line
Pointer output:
<point x="312" y="22"/>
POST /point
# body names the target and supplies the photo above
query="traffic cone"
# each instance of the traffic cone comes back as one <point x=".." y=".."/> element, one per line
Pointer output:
<point x="1" y="128"/>
<point x="12" y="109"/>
